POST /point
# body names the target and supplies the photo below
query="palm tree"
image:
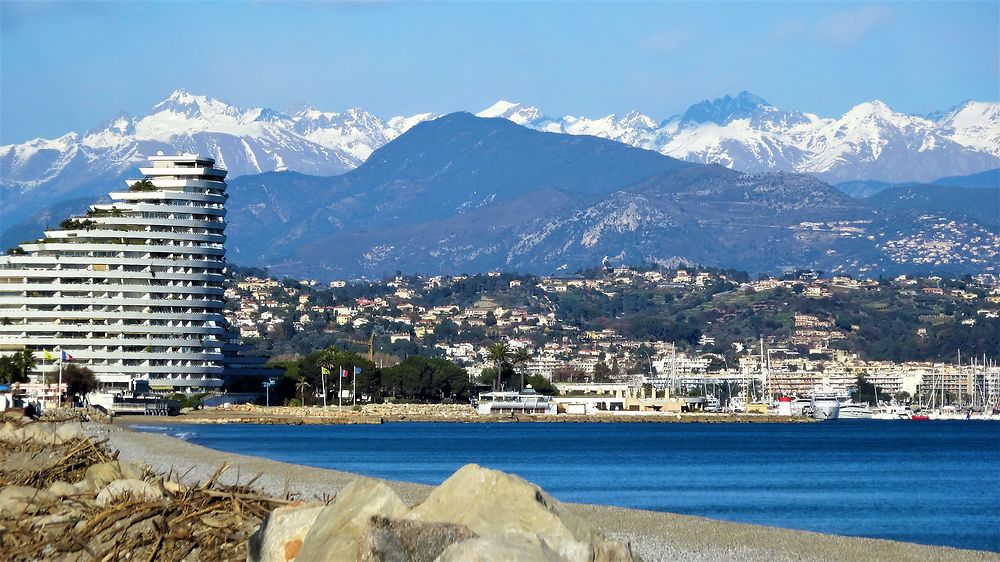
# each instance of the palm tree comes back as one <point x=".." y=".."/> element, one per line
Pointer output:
<point x="499" y="355"/>
<point x="521" y="356"/>
<point x="301" y="387"/>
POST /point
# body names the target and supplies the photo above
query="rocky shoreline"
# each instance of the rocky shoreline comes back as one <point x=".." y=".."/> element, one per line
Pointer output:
<point x="653" y="536"/>
<point x="384" y="413"/>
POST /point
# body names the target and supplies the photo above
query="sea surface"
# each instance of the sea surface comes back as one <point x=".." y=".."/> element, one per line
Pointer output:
<point x="933" y="482"/>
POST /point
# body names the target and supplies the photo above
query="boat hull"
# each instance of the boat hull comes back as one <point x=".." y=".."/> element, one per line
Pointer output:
<point x="826" y="411"/>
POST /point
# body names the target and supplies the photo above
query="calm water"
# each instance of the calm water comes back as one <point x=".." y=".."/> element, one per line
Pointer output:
<point x="926" y="482"/>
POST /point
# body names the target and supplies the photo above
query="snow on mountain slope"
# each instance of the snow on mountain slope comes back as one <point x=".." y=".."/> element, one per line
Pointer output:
<point x="871" y="141"/>
<point x="975" y="125"/>
<point x="247" y="140"/>
<point x="518" y="113"/>
<point x="744" y="132"/>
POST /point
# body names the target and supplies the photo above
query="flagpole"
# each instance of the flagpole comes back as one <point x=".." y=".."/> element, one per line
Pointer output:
<point x="59" y="387"/>
<point x="45" y="375"/>
<point x="354" y="387"/>
<point x="322" y="373"/>
<point x="340" y="385"/>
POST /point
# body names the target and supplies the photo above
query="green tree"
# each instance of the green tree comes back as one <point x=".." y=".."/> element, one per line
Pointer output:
<point x="24" y="362"/>
<point x="864" y="391"/>
<point x="79" y="380"/>
<point x="9" y="373"/>
<point x="427" y="379"/>
<point x="542" y="385"/>
<point x="602" y="373"/>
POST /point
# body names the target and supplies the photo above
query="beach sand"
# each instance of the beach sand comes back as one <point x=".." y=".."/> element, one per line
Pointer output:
<point x="653" y="535"/>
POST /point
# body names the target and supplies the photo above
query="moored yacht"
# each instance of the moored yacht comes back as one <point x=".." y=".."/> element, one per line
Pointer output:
<point x="825" y="406"/>
<point x="855" y="411"/>
<point x="892" y="412"/>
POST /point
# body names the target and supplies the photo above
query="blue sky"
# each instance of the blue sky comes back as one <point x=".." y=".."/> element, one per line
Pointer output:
<point x="71" y="65"/>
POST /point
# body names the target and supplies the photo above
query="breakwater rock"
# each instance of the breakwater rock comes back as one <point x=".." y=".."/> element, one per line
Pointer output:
<point x="463" y="413"/>
<point x="476" y="515"/>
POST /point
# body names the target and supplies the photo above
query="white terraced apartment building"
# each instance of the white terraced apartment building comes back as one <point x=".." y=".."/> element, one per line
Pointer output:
<point x="131" y="289"/>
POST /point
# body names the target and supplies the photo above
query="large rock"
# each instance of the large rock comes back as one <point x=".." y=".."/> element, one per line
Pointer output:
<point x="62" y="489"/>
<point x="9" y="433"/>
<point x="279" y="537"/>
<point x="492" y="503"/>
<point x="501" y="549"/>
<point x="70" y="431"/>
<point x="101" y="474"/>
<point x="15" y="500"/>
<point x="336" y="533"/>
<point x="24" y="461"/>
<point x="401" y="540"/>
<point x="38" y="432"/>
<point x="128" y="489"/>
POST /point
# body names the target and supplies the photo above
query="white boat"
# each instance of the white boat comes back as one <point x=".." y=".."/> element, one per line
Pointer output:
<point x="712" y="404"/>
<point x="825" y="406"/>
<point x="527" y="401"/>
<point x="855" y="411"/>
<point x="801" y="406"/>
<point x="892" y="412"/>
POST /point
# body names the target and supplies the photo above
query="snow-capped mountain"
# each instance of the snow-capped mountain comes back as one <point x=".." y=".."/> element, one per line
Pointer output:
<point x="871" y="141"/>
<point x="246" y="141"/>
<point x="746" y="133"/>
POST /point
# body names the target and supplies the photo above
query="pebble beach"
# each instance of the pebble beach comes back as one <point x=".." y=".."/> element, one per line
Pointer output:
<point x="655" y="536"/>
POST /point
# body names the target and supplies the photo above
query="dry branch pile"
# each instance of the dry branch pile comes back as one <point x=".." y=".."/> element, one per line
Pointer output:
<point x="64" y="497"/>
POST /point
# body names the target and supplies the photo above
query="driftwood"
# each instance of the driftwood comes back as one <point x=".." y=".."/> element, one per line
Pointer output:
<point x="210" y="521"/>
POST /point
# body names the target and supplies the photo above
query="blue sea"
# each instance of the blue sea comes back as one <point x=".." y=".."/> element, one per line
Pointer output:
<point x="934" y="482"/>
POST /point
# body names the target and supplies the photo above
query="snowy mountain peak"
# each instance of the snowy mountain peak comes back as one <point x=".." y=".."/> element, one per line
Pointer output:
<point x="516" y="112"/>
<point x="498" y="109"/>
<point x="725" y="109"/>
<point x="974" y="124"/>
<point x="637" y="120"/>
<point x="184" y="103"/>
<point x="877" y="111"/>
<point x="264" y="114"/>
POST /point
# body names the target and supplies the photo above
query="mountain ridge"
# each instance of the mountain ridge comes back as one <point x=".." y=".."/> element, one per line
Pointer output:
<point x="414" y="206"/>
<point x="752" y="137"/>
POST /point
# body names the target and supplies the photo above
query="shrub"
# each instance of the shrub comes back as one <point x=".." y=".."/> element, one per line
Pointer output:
<point x="142" y="185"/>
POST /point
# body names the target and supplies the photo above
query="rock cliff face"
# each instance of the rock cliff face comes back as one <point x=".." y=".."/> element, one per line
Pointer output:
<point x="477" y="514"/>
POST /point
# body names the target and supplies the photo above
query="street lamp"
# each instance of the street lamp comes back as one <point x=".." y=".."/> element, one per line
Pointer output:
<point x="267" y="391"/>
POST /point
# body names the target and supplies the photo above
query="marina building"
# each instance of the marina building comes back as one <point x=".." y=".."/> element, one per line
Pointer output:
<point x="132" y="288"/>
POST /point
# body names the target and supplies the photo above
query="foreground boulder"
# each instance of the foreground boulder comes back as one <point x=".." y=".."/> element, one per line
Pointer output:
<point x="100" y="475"/>
<point x="15" y="500"/>
<point x="128" y="489"/>
<point x="493" y="503"/>
<point x="337" y="531"/>
<point x="477" y="515"/>
<point x="403" y="540"/>
<point x="279" y="538"/>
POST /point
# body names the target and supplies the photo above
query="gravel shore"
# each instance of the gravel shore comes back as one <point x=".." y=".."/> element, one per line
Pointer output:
<point x="655" y="536"/>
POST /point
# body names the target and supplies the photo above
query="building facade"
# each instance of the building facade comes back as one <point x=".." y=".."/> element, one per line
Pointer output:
<point x="130" y="289"/>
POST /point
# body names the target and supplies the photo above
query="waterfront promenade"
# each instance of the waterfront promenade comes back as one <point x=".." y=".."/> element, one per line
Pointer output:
<point x="654" y="535"/>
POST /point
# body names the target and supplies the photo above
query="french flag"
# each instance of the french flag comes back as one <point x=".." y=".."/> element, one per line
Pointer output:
<point x="66" y="356"/>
